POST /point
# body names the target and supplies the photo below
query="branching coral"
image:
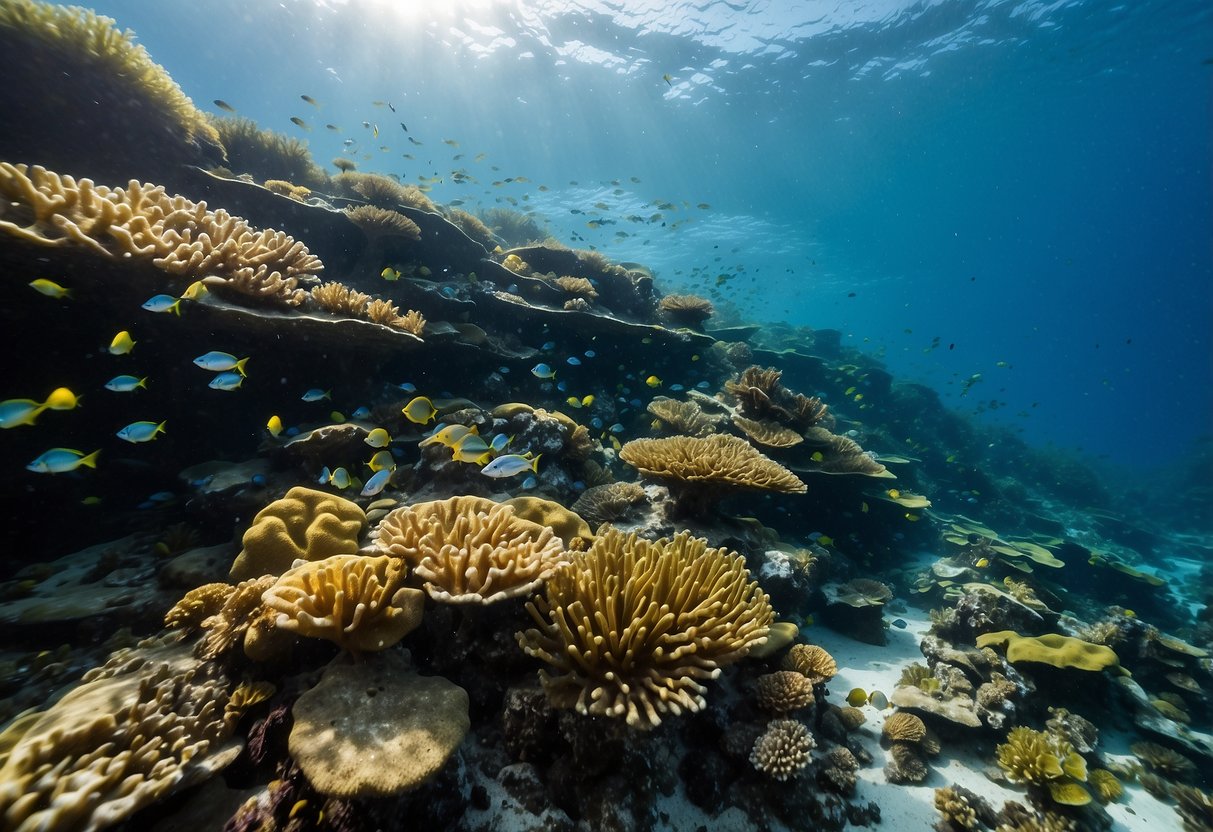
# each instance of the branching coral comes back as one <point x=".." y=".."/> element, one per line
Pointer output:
<point x="468" y="550"/>
<point x="382" y="311"/>
<point x="380" y="222"/>
<point x="684" y="418"/>
<point x="411" y="321"/>
<point x="228" y="626"/>
<point x="711" y="461"/>
<point x="632" y="626"/>
<point x="339" y="299"/>
<point x="783" y="749"/>
<point x="359" y="603"/>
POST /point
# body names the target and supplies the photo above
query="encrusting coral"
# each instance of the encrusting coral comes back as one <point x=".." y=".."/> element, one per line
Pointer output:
<point x="783" y="749"/>
<point x="632" y="627"/>
<point x="469" y="550"/>
<point x="359" y="603"/>
<point x="143" y="222"/>
<point x="304" y="524"/>
<point x="1052" y="649"/>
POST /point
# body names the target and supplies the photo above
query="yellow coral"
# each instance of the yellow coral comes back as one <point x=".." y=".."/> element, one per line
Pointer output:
<point x="1037" y="757"/>
<point x="812" y="661"/>
<point x="576" y="286"/>
<point x="632" y="626"/>
<point x="771" y="434"/>
<point x="197" y="605"/>
<point x="411" y="321"/>
<point x="1053" y="649"/>
<point x="903" y="726"/>
<point x="1107" y="787"/>
<point x="339" y="299"/>
<point x="380" y="222"/>
<point x="304" y="525"/>
<point x="714" y="460"/>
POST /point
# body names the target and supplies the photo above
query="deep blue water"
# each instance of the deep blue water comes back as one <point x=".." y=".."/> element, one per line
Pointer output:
<point x="1027" y="182"/>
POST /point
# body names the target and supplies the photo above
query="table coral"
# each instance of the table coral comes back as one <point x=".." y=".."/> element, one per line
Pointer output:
<point x="304" y="525"/>
<point x="684" y="418"/>
<point x="632" y="626"/>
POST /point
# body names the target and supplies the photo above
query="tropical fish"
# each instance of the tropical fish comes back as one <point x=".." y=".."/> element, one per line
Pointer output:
<point x="217" y="362"/>
<point x="982" y="563"/>
<point x="62" y="460"/>
<point x="137" y="432"/>
<point x="125" y="384"/>
<point x="223" y="105"/>
<point x="61" y="399"/>
<point x="316" y="395"/>
<point x="857" y="698"/>
<point x="420" y="411"/>
<point x="500" y="442"/>
<point x="471" y="448"/>
<point x="509" y="465"/>
<point x="300" y="122"/>
<point x="337" y="417"/>
<point x="894" y="493"/>
<point x="913" y="518"/>
<point x="653" y="381"/>
<point x="573" y="361"/>
<point x="668" y="79"/>
<point x="863" y="507"/>
<point x="195" y="291"/>
<point x="448" y="436"/>
<point x="50" y="288"/>
<point x="586" y="401"/>
<point x="339" y="478"/>
<point x="274" y="426"/>
<point x="529" y="483"/>
<point x="825" y="540"/>
<point x="361" y="413"/>
<point x="310" y="100"/>
<point x="163" y="303"/>
<point x="389" y="273"/>
<point x="878" y="700"/>
<point x="17" y="412"/>
<point x="226" y="381"/>
<point x="376" y="483"/>
<point x="543" y="371"/>
<point x="378" y="438"/>
<point x="122" y="344"/>
<point x="573" y="401"/>
<point x="382" y="460"/>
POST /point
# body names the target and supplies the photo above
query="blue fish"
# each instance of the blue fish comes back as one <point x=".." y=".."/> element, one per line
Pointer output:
<point x="703" y="385"/>
<point x="530" y="482"/>
<point x="140" y="431"/>
<point x="573" y="361"/>
<point x="377" y="483"/>
<point x="339" y="478"/>
<point x="548" y="346"/>
<point x="590" y="354"/>
<point x="509" y="465"/>
<point x="226" y="381"/>
<point x="218" y="362"/>
<point x="316" y="394"/>
<point x="677" y="388"/>
<point x="163" y="303"/>
<point x="543" y="371"/>
<point x="125" y="384"/>
<point x="499" y="443"/>
<point x="62" y="460"/>
<point x="562" y="386"/>
<point x="408" y="388"/>
<point x="616" y="428"/>
<point x="503" y="369"/>
<point x="596" y="423"/>
<point x="361" y="413"/>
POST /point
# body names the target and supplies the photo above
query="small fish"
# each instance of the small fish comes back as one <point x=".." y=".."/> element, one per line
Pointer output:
<point x="339" y="478"/>
<point x="337" y="417"/>
<point x="548" y="346"/>
<point x="407" y="387"/>
<point x="471" y="448"/>
<point x="913" y="518"/>
<point x="403" y="127"/>
<point x="378" y="438"/>
<point x="818" y="456"/>
<point x="448" y="436"/>
<point x="857" y="698"/>
<point x="163" y="303"/>
<point x="375" y="131"/>
<point x="653" y="381"/>
<point x="849" y="390"/>
<point x="195" y="291"/>
<point x="361" y="414"/>
<point x="894" y="493"/>
<point x="509" y="465"/>
<point x="274" y="426"/>
<point x="389" y="273"/>
<point x="226" y="381"/>
<point x="420" y="411"/>
<point x="825" y="540"/>
<point x="376" y="483"/>
<point x="451" y="142"/>
<point x="573" y="361"/>
<point x="140" y="432"/>
<point x="122" y="344"/>
<point x="17" y="412"/>
<point x="333" y="127"/>
<point x="500" y="442"/>
<point x="668" y="79"/>
<point x="50" y="288"/>
<point x="543" y="371"/>
<point x="878" y="700"/>
<point x="62" y="460"/>
<point x="61" y="399"/>
<point x="529" y="483"/>
<point x="573" y="401"/>
<point x="863" y="507"/>
<point x="899" y="623"/>
<point x="126" y="384"/>
<point x="310" y="100"/>
<point x="982" y="563"/>
<point x="590" y="354"/>
<point x="218" y="362"/>
<point x="586" y="401"/>
<point x="300" y="122"/>
<point x="316" y="395"/>
<point x="808" y="620"/>
<point x="383" y="460"/>
<point x="223" y="105"/>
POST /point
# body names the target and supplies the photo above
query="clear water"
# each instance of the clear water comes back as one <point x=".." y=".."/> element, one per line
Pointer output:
<point x="1026" y="182"/>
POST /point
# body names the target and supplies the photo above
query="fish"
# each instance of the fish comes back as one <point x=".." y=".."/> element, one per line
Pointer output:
<point x="381" y="461"/>
<point x="471" y="448"/>
<point x="825" y="540"/>
<point x="375" y="131"/>
<point x="899" y="623"/>
<point x="548" y="345"/>
<point x="126" y="384"/>
<point x="448" y="436"/>
<point x="543" y="371"/>
<point x="316" y="395"/>
<point x="668" y="79"/>
<point x="913" y="518"/>
<point x="586" y="401"/>
<point x="274" y="426"/>
<point x="218" y="362"/>
<point x="195" y="291"/>
<point x="407" y="387"/>
<point x="653" y="381"/>
<point x="300" y="122"/>
<point x="50" y="288"/>
<point x="420" y="411"/>
<point x="337" y="417"/>
<point x="338" y="478"/>
<point x="573" y="401"/>
<point x="378" y="438"/>
<point x="451" y="142"/>
<point x="818" y="456"/>
<point x="122" y="344"/>
<point x="857" y="698"/>
<point x="62" y="460"/>
<point x="137" y="432"/>
<point x="376" y="483"/>
<point x="500" y="442"/>
<point x="389" y="273"/>
<point x="863" y="506"/>
<point x="163" y="303"/>
<point x="226" y="381"/>
<point x="223" y="105"/>
<point x="361" y="413"/>
<point x="17" y="412"/>
<point x="878" y="700"/>
<point x="982" y="563"/>
<point x="333" y="127"/>
<point x="894" y="493"/>
<point x="529" y="483"/>
<point x="573" y="361"/>
<point x="61" y="399"/>
<point x="509" y="465"/>
<point x="310" y="100"/>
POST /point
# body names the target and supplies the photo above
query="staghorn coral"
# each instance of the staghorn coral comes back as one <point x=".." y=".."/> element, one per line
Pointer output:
<point x="770" y="434"/>
<point x="609" y="502"/>
<point x="380" y="222"/>
<point x="359" y="603"/>
<point x="684" y="418"/>
<point x="144" y="223"/>
<point x="304" y="524"/>
<point x="811" y="661"/>
<point x="197" y="605"/>
<point x="783" y="691"/>
<point x="576" y="286"/>
<point x="686" y="310"/>
<point x="783" y="749"/>
<point x="1162" y="760"/>
<point x="903" y="726"/>
<point x="710" y="463"/>
<point x="469" y="550"/>
<point x="267" y="154"/>
<point x="339" y="299"/>
<point x="1037" y="757"/>
<point x="632" y="626"/>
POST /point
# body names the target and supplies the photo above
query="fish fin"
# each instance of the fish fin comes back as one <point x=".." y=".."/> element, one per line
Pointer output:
<point x="160" y="428"/>
<point x="91" y="459"/>
<point x="176" y="307"/>
<point x="535" y="463"/>
<point x="240" y="366"/>
<point x="142" y="383"/>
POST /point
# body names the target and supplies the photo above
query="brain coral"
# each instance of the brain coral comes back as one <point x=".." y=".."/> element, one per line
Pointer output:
<point x="469" y="550"/>
<point x="304" y="525"/>
<point x="632" y="626"/>
<point x="711" y="461"/>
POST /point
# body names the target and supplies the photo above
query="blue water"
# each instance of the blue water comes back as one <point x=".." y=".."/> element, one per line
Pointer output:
<point x="1027" y="182"/>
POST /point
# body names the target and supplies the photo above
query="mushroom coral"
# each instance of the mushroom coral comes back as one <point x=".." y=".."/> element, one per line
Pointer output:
<point x="632" y="626"/>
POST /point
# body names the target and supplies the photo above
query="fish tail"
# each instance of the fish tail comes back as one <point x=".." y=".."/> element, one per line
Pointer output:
<point x="91" y="459"/>
<point x="240" y="366"/>
<point x="535" y="463"/>
<point x="176" y="307"/>
<point x="160" y="428"/>
<point x="142" y="383"/>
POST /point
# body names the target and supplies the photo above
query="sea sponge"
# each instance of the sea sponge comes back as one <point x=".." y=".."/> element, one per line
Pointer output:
<point x="304" y="525"/>
<point x="359" y="603"/>
<point x="783" y="749"/>
<point x="632" y="626"/>
<point x="811" y="661"/>
<point x="713" y="461"/>
<point x="770" y="434"/>
<point x="783" y="691"/>
<point x="268" y="155"/>
<point x="380" y="222"/>
<point x="469" y="550"/>
<point x="686" y="310"/>
<point x="1052" y="649"/>
<point x="375" y="728"/>
<point x="608" y="502"/>
<point x="683" y="418"/>
<point x="339" y="299"/>
<point x="197" y="605"/>
<point x="1037" y="757"/>
<point x="903" y="726"/>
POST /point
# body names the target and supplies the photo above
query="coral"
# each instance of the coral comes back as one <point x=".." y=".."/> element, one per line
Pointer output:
<point x="245" y="696"/>
<point x="197" y="605"/>
<point x="760" y="396"/>
<point x="228" y="626"/>
<point x="1052" y="649"/>
<point x="380" y="222"/>
<point x="344" y="165"/>
<point x="1080" y="732"/>
<point x="770" y="434"/>
<point x="783" y="691"/>
<point x="356" y="602"/>
<point x="1037" y="757"/>
<point x="906" y="764"/>
<point x="572" y="530"/>
<point x="144" y="223"/>
<point x="686" y="310"/>
<point x="632" y="626"/>
<point x="850" y="717"/>
<point x="576" y="286"/>
<point x="304" y="525"/>
<point x="339" y="299"/>
<point x="753" y="390"/>
<point x="608" y="502"/>
<point x="1022" y="820"/>
<point x="411" y="321"/>
<point x="1107" y="788"/>
<point x="842" y="455"/>
<point x="1162" y="760"/>
<point x="685" y="418"/>
<point x="920" y="676"/>
<point x="147" y="725"/>
<point x="839" y="770"/>
<point x="382" y="191"/>
<point x="1068" y="793"/>
<point x="811" y="661"/>
<point x="903" y="727"/>
<point x="1195" y="808"/>
<point x="469" y="550"/>
<point x="375" y="728"/>
<point x="783" y="749"/>
<point x="381" y="311"/>
<point x="711" y="461"/>
<point x="267" y="155"/>
<point x="472" y="226"/>
<point x="577" y="305"/>
<point x="863" y="592"/>
<point x="962" y="809"/>
<point x="513" y="227"/>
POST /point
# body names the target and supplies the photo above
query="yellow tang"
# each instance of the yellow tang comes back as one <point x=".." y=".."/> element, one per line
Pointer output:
<point x="894" y="493"/>
<point x="587" y="401"/>
<point x="194" y="291"/>
<point x="61" y="399"/>
<point x="381" y="461"/>
<point x="274" y="426"/>
<point x="122" y="344"/>
<point x="825" y="540"/>
<point x="653" y="381"/>
<point x="982" y="563"/>
<point x="857" y="698"/>
<point x="420" y="411"/>
<point x="378" y="438"/>
<point x="913" y="518"/>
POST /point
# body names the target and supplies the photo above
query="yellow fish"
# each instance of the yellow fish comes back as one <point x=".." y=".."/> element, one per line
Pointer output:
<point x="274" y="426"/>
<point x="818" y="456"/>
<point x="863" y="506"/>
<point x="982" y="563"/>
<point x="420" y="411"/>
<point x="808" y="621"/>
<point x="587" y="401"/>
<point x="195" y="291"/>
<point x="913" y="518"/>
<point x="61" y="399"/>
<point x="389" y="273"/>
<point x="50" y="288"/>
<point x="378" y="438"/>
<point x="825" y="540"/>
<point x="122" y="344"/>
<point x="848" y="391"/>
<point x="653" y="381"/>
<point x="859" y="397"/>
<point x="894" y="493"/>
<point x="573" y="401"/>
<point x="383" y="460"/>
<point x="447" y="436"/>
<point x="857" y="698"/>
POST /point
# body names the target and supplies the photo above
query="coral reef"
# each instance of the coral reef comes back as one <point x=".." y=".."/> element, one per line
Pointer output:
<point x="812" y="662"/>
<point x="684" y="418"/>
<point x="608" y="503"/>
<point x="381" y="222"/>
<point x="268" y="155"/>
<point x="783" y="750"/>
<point x="686" y="310"/>
<point x="770" y="434"/>
<point x="339" y="299"/>
<point x="304" y="524"/>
